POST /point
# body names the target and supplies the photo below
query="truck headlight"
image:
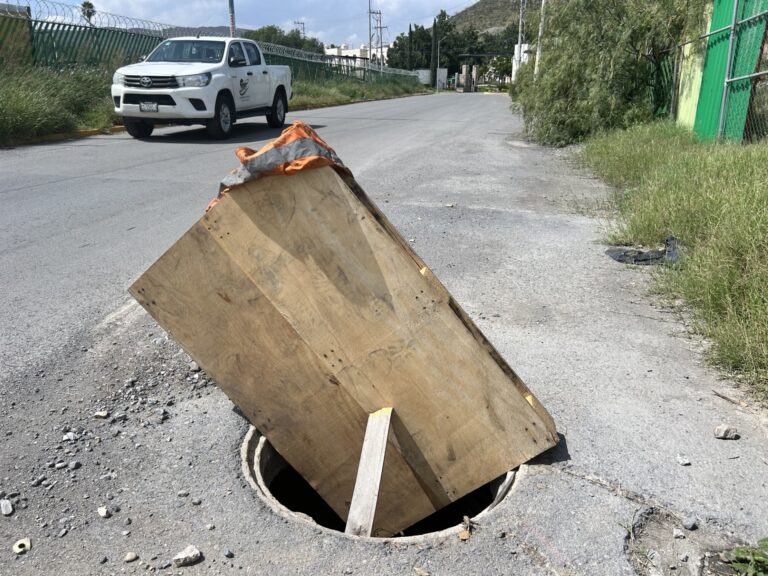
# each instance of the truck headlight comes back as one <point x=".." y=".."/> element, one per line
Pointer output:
<point x="194" y="81"/>
<point x="118" y="78"/>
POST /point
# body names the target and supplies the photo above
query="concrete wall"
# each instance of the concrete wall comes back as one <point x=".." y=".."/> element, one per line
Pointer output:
<point x="426" y="80"/>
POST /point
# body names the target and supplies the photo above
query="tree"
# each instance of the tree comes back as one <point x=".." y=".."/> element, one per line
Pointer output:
<point x="293" y="39"/>
<point x="88" y="11"/>
<point x="409" y="60"/>
<point x="419" y="41"/>
<point x="601" y="65"/>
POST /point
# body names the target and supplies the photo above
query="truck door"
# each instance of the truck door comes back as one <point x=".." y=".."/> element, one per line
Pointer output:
<point x="259" y="75"/>
<point x="239" y="76"/>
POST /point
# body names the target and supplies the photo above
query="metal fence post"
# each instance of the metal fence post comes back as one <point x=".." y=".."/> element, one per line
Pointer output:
<point x="728" y="70"/>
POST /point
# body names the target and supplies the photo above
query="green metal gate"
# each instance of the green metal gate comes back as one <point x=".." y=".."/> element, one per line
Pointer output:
<point x="736" y="38"/>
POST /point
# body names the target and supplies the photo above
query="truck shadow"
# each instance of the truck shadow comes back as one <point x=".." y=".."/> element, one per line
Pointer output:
<point x="244" y="132"/>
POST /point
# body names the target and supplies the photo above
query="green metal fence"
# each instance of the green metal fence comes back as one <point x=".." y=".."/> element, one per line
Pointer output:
<point x="52" y="34"/>
<point x="732" y="98"/>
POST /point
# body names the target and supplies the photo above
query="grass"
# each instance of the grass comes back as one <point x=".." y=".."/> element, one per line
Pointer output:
<point x="307" y="95"/>
<point x="40" y="101"/>
<point x="714" y="198"/>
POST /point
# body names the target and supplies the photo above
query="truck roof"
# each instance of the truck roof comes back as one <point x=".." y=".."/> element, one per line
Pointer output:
<point x="215" y="38"/>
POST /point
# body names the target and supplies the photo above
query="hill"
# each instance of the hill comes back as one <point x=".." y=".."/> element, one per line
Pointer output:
<point x="492" y="15"/>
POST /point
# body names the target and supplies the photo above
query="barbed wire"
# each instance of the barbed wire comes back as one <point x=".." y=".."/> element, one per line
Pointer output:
<point x="50" y="11"/>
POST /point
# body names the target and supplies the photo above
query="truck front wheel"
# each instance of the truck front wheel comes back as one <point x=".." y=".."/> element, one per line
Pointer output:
<point x="138" y="128"/>
<point x="220" y="126"/>
<point x="276" y="116"/>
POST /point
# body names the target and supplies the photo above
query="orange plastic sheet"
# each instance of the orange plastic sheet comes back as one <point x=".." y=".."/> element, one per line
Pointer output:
<point x="297" y="149"/>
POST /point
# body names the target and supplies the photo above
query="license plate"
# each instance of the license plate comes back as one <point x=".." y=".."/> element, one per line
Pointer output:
<point x="148" y="106"/>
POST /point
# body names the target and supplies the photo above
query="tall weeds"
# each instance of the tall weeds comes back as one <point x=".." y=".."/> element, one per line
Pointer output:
<point x="35" y="101"/>
<point x="714" y="198"/>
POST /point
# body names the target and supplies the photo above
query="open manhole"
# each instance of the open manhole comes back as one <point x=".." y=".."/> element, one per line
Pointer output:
<point x="288" y="494"/>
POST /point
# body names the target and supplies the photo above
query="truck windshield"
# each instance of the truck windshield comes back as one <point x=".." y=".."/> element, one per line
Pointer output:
<point x="188" y="51"/>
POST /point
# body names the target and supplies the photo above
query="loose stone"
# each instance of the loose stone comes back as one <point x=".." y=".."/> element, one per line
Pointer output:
<point x="131" y="557"/>
<point x="725" y="432"/>
<point x="187" y="557"/>
<point x="6" y="508"/>
<point x="104" y="512"/>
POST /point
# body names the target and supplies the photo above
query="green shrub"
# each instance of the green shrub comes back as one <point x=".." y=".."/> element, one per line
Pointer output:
<point x="601" y="65"/>
<point x="346" y="90"/>
<point x="712" y="197"/>
<point x="36" y="101"/>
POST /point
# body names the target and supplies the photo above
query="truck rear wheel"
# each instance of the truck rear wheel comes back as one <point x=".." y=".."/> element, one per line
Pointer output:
<point x="220" y="126"/>
<point x="276" y="115"/>
<point x="138" y="128"/>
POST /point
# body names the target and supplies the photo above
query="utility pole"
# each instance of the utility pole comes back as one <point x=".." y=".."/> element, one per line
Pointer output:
<point x="437" y="73"/>
<point x="376" y="40"/>
<point x="370" y="34"/>
<point x="301" y="27"/>
<point x="539" y="41"/>
<point x="232" y="18"/>
<point x="380" y="30"/>
<point x="519" y="51"/>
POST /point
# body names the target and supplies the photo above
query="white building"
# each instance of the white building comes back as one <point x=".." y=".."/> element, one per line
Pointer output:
<point x="362" y="52"/>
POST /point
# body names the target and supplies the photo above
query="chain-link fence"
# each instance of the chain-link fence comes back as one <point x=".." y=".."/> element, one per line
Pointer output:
<point x="49" y="33"/>
<point x="719" y="81"/>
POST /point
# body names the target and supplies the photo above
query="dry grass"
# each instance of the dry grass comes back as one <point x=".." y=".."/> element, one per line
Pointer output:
<point x="714" y="198"/>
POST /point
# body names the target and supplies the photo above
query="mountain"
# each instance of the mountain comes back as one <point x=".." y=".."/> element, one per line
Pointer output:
<point x="492" y="15"/>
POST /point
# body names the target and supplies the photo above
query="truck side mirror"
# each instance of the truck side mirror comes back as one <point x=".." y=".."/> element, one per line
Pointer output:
<point x="234" y="61"/>
<point x="142" y="57"/>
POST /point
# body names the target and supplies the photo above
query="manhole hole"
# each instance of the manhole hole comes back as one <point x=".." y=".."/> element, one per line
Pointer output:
<point x="288" y="494"/>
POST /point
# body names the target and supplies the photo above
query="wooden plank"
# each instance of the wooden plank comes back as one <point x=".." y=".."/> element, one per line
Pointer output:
<point x="366" y="494"/>
<point x="310" y="311"/>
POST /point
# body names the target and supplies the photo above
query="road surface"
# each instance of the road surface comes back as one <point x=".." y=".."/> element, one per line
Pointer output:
<point x="519" y="247"/>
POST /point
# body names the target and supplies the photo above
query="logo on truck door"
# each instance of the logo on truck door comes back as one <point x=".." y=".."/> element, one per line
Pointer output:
<point x="243" y="87"/>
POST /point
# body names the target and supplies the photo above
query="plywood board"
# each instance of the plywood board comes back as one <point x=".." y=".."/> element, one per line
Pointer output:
<point x="310" y="311"/>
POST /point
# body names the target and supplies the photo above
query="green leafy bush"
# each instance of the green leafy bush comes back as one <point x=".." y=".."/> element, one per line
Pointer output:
<point x="601" y="65"/>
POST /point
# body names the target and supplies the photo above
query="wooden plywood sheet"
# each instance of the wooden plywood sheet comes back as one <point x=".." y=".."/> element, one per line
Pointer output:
<point x="310" y="311"/>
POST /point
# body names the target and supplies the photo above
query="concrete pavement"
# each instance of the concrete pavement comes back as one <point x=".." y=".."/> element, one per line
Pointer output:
<point x="520" y="250"/>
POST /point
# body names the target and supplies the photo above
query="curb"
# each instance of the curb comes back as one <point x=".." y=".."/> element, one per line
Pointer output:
<point x="78" y="134"/>
<point x="119" y="129"/>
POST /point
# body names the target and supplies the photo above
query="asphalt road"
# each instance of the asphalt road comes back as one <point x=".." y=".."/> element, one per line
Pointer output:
<point x="520" y="249"/>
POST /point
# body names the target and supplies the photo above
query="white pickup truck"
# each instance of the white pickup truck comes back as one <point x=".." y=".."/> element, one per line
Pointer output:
<point x="208" y="80"/>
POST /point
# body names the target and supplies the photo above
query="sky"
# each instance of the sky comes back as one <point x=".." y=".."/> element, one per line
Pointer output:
<point x="332" y="21"/>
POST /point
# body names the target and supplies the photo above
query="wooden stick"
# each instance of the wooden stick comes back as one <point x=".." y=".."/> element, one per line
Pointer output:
<point x="366" y="494"/>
